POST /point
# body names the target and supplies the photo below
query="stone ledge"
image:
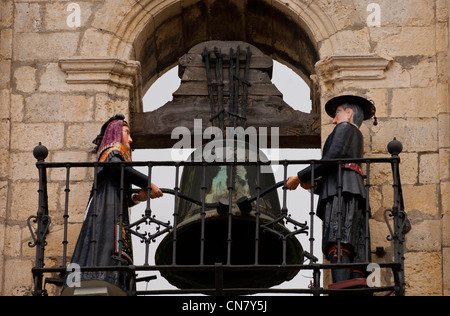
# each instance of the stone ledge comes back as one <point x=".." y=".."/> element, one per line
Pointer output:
<point x="352" y="67"/>
<point x="94" y="70"/>
<point x="121" y="74"/>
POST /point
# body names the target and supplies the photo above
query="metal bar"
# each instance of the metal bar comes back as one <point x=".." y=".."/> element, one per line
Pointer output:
<point x="219" y="279"/>
<point x="257" y="212"/>
<point x="236" y="82"/>
<point x="94" y="216"/>
<point x="41" y="219"/>
<point x="398" y="244"/>
<point x="284" y="210"/>
<point x="245" y="87"/>
<point x="339" y="213"/>
<point x="316" y="279"/>
<point x="395" y="210"/>
<point x="230" y="211"/>
<point x="203" y="215"/>
<point x="148" y="210"/>
<point x="266" y="190"/>
<point x="187" y="198"/>
<point x="175" y="216"/>
<point x="120" y="215"/>
<point x="284" y="207"/>
<point x="132" y="281"/>
<point x="214" y="163"/>
<point x="312" y="213"/>
<point x="219" y="268"/>
<point x="147" y="249"/>
<point x="249" y="291"/>
<point x="210" y="84"/>
<point x="231" y="88"/>
<point x="367" y="217"/>
<point x="211" y="267"/>
<point x="66" y="216"/>
<point x="219" y="83"/>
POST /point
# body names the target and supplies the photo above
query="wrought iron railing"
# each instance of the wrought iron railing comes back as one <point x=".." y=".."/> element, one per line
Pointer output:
<point x="39" y="227"/>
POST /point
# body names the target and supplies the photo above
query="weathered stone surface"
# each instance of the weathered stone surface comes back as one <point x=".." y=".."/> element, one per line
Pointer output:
<point x="428" y="173"/>
<point x="446" y="230"/>
<point x="446" y="278"/>
<point x="426" y="236"/>
<point x="25" y="137"/>
<point x="399" y="41"/>
<point x="6" y="43"/>
<point x="44" y="46"/>
<point x="445" y="197"/>
<point x="413" y="103"/>
<point x="5" y="74"/>
<point x="25" y="79"/>
<point x="3" y="201"/>
<point x="58" y="108"/>
<point x="416" y="134"/>
<point x="5" y="103"/>
<point x="21" y="283"/>
<point x="80" y="136"/>
<point x="23" y="166"/>
<point x="56" y="15"/>
<point x="423" y="273"/>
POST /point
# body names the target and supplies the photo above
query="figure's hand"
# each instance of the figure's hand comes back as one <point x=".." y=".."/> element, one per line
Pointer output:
<point x="139" y="197"/>
<point x="292" y="183"/>
<point x="142" y="195"/>
<point x="156" y="192"/>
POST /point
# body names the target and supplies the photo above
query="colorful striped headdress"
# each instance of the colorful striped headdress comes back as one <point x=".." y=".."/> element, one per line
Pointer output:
<point x="110" y="134"/>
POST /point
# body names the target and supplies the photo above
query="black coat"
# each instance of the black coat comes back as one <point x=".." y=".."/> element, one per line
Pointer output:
<point x="346" y="141"/>
<point x="107" y="206"/>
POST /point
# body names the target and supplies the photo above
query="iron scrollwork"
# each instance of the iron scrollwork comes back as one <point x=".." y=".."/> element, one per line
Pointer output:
<point x="404" y="225"/>
<point x="38" y="238"/>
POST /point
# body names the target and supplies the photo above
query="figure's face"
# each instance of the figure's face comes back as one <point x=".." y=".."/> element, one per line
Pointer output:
<point x="342" y="115"/>
<point x="126" y="138"/>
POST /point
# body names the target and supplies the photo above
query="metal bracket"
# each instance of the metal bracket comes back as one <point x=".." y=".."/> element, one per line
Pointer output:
<point x="37" y="239"/>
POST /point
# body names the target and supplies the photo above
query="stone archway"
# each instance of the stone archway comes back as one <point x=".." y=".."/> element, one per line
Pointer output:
<point x="291" y="32"/>
<point x="150" y="37"/>
<point x="158" y="35"/>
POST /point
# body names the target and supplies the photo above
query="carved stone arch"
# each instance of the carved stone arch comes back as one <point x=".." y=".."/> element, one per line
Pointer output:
<point x="151" y="36"/>
<point x="146" y="15"/>
<point x="157" y="34"/>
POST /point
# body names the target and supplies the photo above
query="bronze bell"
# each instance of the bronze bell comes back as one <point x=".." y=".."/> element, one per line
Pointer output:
<point x="216" y="181"/>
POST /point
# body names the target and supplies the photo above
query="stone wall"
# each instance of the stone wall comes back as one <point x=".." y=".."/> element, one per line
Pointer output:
<point x="60" y="81"/>
<point x="39" y="105"/>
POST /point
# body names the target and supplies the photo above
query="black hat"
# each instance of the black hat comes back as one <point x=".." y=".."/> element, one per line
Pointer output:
<point x="367" y="106"/>
<point x="97" y="141"/>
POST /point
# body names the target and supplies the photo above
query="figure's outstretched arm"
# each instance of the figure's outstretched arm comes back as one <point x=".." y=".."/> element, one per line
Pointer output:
<point x="139" y="179"/>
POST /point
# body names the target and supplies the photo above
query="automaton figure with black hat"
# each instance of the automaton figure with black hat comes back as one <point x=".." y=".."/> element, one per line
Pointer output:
<point x="98" y="243"/>
<point x="346" y="142"/>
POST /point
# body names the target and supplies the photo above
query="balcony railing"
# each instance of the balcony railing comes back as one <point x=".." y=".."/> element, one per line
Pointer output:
<point x="395" y="217"/>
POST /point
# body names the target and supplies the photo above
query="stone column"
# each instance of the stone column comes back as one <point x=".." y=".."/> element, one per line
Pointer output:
<point x="6" y="30"/>
<point x="444" y="150"/>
